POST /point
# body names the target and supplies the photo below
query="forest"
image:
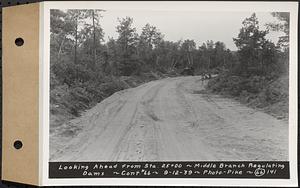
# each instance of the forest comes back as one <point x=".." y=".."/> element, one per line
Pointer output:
<point x="85" y="68"/>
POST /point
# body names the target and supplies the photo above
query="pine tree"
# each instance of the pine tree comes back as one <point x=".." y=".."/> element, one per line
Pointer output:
<point x="249" y="42"/>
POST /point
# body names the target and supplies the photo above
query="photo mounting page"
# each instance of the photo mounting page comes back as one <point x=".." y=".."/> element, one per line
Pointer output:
<point x="169" y="93"/>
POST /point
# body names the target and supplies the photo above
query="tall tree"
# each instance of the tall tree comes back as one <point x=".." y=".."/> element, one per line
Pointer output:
<point x="151" y="36"/>
<point x="76" y="17"/>
<point x="127" y="38"/>
<point x="149" y="39"/>
<point x="283" y="25"/>
<point x="269" y="56"/>
<point x="60" y="28"/>
<point x="113" y="57"/>
<point x="127" y="42"/>
<point x="188" y="47"/>
<point x="219" y="55"/>
<point x="249" y="42"/>
<point x="97" y="31"/>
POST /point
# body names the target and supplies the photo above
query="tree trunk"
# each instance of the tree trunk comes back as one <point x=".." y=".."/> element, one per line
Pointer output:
<point x="75" y="53"/>
<point x="76" y="38"/>
<point x="188" y="58"/>
<point x="94" y="42"/>
<point x="60" y="49"/>
<point x="174" y="64"/>
<point x="208" y="63"/>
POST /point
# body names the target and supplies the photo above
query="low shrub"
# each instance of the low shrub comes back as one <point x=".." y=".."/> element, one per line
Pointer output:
<point x="67" y="102"/>
<point x="256" y="91"/>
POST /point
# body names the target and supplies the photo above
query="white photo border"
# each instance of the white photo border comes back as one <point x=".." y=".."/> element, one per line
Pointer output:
<point x="44" y="79"/>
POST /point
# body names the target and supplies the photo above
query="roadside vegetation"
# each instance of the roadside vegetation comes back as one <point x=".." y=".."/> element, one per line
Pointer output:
<point x="260" y="76"/>
<point x="85" y="69"/>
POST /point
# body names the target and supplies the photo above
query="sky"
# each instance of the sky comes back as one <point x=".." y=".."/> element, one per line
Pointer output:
<point x="180" y="25"/>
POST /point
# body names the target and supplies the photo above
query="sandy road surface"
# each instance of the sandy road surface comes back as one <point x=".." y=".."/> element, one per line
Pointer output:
<point x="170" y="119"/>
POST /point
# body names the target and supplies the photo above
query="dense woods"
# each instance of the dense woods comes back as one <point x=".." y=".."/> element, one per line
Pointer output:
<point x="85" y="69"/>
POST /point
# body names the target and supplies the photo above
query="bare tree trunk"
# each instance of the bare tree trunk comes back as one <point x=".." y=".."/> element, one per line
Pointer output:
<point x="262" y="66"/>
<point x="174" y="64"/>
<point x="208" y="63"/>
<point x="76" y="39"/>
<point x="94" y="42"/>
<point x="188" y="57"/>
<point x="75" y="53"/>
<point x="60" y="49"/>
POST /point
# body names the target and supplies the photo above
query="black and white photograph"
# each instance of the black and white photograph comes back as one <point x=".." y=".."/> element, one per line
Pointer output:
<point x="155" y="85"/>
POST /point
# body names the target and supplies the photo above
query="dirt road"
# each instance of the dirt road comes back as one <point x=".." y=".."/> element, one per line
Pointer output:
<point x="170" y="119"/>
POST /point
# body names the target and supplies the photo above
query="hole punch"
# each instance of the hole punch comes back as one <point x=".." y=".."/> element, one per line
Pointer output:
<point x="18" y="144"/>
<point x="19" y="42"/>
